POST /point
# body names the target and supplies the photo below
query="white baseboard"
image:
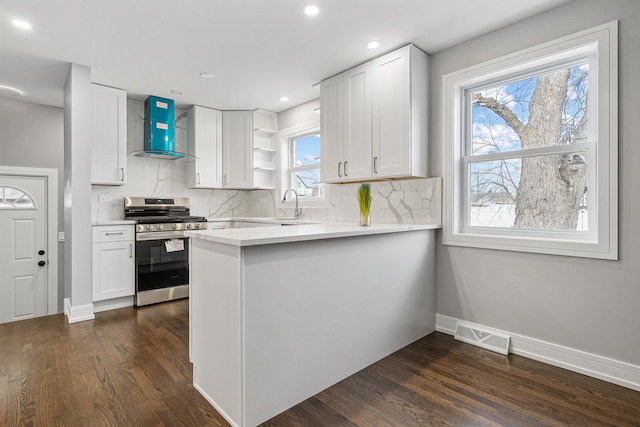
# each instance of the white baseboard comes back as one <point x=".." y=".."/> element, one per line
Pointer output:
<point x="78" y="313"/>
<point x="112" y="304"/>
<point x="592" y="365"/>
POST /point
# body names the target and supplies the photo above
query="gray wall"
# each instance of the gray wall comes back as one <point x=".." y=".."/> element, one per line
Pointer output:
<point x="590" y="305"/>
<point x="298" y="115"/>
<point x="32" y="136"/>
<point x="78" y="134"/>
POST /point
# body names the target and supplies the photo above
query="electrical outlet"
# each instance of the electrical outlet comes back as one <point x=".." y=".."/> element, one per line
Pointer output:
<point x="105" y="198"/>
<point x="336" y="197"/>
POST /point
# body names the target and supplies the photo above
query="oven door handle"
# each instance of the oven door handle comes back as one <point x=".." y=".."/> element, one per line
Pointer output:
<point x="160" y="235"/>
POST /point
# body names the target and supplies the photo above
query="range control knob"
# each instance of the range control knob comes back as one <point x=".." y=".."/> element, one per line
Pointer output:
<point x="188" y="225"/>
<point x="149" y="227"/>
<point x="159" y="226"/>
<point x="174" y="226"/>
<point x="196" y="225"/>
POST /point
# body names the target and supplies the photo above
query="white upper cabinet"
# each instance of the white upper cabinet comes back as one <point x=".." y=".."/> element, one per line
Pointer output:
<point x="400" y="114"/>
<point x="332" y="128"/>
<point x="109" y="148"/>
<point x="374" y="119"/>
<point x="346" y="125"/>
<point x="237" y="146"/>
<point x="205" y="143"/>
<point x="357" y="122"/>
<point x="232" y="149"/>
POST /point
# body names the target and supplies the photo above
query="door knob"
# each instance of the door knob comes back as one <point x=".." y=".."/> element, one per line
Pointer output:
<point x="41" y="263"/>
<point x="40" y="252"/>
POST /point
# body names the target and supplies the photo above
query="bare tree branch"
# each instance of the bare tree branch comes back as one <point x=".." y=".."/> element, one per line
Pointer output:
<point x="501" y="110"/>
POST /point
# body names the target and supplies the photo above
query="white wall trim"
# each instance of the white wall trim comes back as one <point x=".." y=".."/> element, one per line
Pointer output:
<point x="52" y="226"/>
<point x="112" y="304"/>
<point x="592" y="365"/>
<point x="283" y="137"/>
<point x="79" y="313"/>
<point x="601" y="241"/>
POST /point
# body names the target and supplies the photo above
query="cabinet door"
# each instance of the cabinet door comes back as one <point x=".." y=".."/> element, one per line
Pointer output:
<point x="357" y="122"/>
<point x="113" y="274"/>
<point x="331" y="129"/>
<point x="392" y="114"/>
<point x="237" y="145"/>
<point x="205" y="143"/>
<point x="109" y="148"/>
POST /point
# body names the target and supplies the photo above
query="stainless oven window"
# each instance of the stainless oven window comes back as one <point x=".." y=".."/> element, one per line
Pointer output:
<point x="157" y="268"/>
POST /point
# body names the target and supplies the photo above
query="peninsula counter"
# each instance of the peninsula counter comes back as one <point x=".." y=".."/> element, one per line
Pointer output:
<point x="277" y="314"/>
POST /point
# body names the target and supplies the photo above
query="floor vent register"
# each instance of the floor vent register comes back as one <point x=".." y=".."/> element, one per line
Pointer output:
<point x="482" y="337"/>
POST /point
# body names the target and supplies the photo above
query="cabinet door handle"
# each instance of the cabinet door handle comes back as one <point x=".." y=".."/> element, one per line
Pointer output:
<point x="339" y="167"/>
<point x="224" y="180"/>
<point x="119" y="233"/>
<point x="130" y="250"/>
<point x="198" y="178"/>
<point x="345" y="168"/>
<point x="375" y="164"/>
<point x="121" y="174"/>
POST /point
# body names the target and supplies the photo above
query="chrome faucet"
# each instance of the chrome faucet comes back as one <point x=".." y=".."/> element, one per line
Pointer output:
<point x="284" y="199"/>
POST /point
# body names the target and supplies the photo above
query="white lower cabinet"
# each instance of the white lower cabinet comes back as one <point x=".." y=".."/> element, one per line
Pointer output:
<point x="113" y="261"/>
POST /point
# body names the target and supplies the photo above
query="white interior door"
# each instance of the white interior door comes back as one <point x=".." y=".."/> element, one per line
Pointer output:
<point x="23" y="247"/>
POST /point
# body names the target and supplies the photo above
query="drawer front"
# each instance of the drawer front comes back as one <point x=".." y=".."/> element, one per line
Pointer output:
<point x="113" y="233"/>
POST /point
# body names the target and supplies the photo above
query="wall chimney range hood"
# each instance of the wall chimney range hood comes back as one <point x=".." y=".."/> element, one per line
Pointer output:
<point x="159" y="129"/>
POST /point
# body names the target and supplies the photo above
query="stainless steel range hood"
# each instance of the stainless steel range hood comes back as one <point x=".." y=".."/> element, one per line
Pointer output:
<point x="159" y="129"/>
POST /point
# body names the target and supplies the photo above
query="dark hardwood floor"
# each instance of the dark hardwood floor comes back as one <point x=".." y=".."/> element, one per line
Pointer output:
<point x="130" y="367"/>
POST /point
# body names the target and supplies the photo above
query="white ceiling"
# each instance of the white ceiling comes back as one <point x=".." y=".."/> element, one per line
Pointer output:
<point x="258" y="50"/>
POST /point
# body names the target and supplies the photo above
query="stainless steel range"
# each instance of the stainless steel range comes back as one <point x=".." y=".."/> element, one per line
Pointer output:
<point x="162" y="251"/>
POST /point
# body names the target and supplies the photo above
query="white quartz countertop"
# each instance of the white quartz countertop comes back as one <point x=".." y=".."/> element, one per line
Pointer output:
<point x="299" y="233"/>
<point x="117" y="222"/>
<point x="263" y="220"/>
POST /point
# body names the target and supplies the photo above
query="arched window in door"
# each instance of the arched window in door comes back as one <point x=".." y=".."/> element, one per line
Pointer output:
<point x="15" y="198"/>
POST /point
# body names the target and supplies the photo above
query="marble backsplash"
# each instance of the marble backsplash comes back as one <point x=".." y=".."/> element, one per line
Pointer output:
<point x="416" y="201"/>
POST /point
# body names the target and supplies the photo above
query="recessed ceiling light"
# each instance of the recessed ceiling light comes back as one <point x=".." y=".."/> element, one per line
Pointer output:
<point x="373" y="44"/>
<point x="207" y="75"/>
<point x="284" y="99"/>
<point x="21" y="24"/>
<point x="311" y="10"/>
<point x="175" y="92"/>
<point x="11" y="90"/>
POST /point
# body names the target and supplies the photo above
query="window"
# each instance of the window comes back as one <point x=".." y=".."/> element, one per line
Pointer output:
<point x="14" y="198"/>
<point x="304" y="165"/>
<point x="531" y="156"/>
<point x="301" y="164"/>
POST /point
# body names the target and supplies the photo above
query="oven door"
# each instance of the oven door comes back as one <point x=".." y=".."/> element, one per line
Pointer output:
<point x="160" y="265"/>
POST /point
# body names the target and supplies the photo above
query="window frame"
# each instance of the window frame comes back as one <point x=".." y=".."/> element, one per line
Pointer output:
<point x="285" y="153"/>
<point x="601" y="241"/>
<point x="12" y="206"/>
